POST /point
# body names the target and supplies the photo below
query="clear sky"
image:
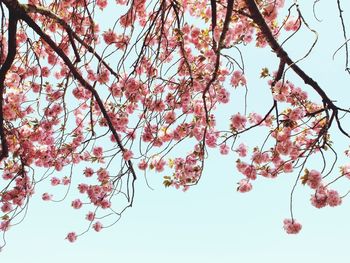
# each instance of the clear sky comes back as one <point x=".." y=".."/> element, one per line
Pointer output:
<point x="211" y="222"/>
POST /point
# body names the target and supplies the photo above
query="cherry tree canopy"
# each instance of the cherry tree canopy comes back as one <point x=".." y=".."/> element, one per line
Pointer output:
<point x="142" y="95"/>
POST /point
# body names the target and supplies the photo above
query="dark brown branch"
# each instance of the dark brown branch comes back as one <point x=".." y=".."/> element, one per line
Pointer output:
<point x="75" y="49"/>
<point x="227" y="21"/>
<point x="221" y="40"/>
<point x="213" y="14"/>
<point x="345" y="37"/>
<point x="181" y="41"/>
<point x="339" y="125"/>
<point x="12" y="31"/>
<point x="279" y="74"/>
<point x="213" y="20"/>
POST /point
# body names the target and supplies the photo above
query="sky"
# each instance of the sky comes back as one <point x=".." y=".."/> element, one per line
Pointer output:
<point x="211" y="221"/>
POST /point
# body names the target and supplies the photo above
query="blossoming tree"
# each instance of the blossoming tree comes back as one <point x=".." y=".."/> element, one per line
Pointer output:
<point x="120" y="101"/>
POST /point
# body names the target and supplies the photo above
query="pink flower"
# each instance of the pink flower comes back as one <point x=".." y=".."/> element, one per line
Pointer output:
<point x="88" y="172"/>
<point x="250" y="172"/>
<point x="238" y="79"/>
<point x="97" y="226"/>
<point x="90" y="216"/>
<point x="255" y="118"/>
<point x="55" y="181"/>
<point x="296" y="114"/>
<point x="292" y="24"/>
<point x="105" y="203"/>
<point x="223" y="96"/>
<point x="244" y="186"/>
<point x="5" y="225"/>
<point x="224" y="149"/>
<point x="83" y="188"/>
<point x="77" y="204"/>
<point x="242" y="150"/>
<point x="142" y="165"/>
<point x="7" y="176"/>
<point x="71" y="237"/>
<point x="314" y="179"/>
<point x="65" y="180"/>
<point x="345" y="170"/>
<point x="127" y="155"/>
<point x="288" y="167"/>
<point x="109" y="37"/>
<point x="101" y="3"/>
<point x="259" y="157"/>
<point x="195" y="32"/>
<point x="46" y="197"/>
<point x="291" y="226"/>
<point x="333" y="198"/>
<point x="319" y="199"/>
<point x="45" y="72"/>
<point x="211" y="139"/>
<point x="238" y="122"/>
<point x="102" y="175"/>
<point x="170" y="117"/>
<point x="98" y="151"/>
<point x="6" y="207"/>
<point x="103" y="76"/>
<point x="159" y="165"/>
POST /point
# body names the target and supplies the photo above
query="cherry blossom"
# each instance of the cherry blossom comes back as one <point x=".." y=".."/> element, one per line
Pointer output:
<point x="71" y="237"/>
<point x="291" y="226"/>
<point x="97" y="105"/>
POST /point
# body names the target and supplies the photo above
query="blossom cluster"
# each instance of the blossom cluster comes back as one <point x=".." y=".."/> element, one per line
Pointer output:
<point x="100" y="97"/>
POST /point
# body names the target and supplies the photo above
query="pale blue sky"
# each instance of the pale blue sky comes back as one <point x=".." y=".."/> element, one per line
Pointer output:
<point x="211" y="222"/>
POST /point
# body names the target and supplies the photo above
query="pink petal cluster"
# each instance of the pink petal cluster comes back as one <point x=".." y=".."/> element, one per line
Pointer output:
<point x="127" y="155"/>
<point x="77" y="204"/>
<point x="291" y="226"/>
<point x="314" y="179"/>
<point x="292" y="24"/>
<point x="71" y="237"/>
<point x="324" y="197"/>
<point x="244" y="186"/>
<point x="46" y="197"/>
<point x="121" y="111"/>
<point x="97" y="226"/>
<point x="238" y="122"/>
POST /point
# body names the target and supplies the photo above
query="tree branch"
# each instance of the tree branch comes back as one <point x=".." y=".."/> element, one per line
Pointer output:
<point x="213" y="20"/>
<point x="12" y="31"/>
